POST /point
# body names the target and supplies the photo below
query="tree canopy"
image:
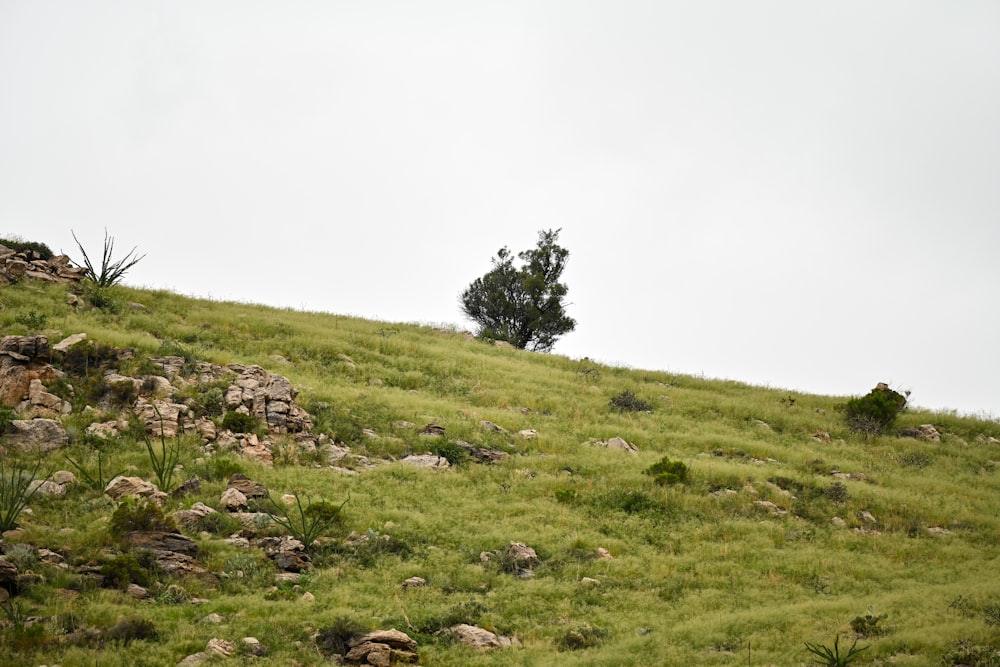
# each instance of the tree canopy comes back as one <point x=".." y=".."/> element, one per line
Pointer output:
<point x="523" y="305"/>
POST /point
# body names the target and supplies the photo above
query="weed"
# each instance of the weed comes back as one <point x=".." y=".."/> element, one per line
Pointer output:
<point x="832" y="657"/>
<point x="992" y="612"/>
<point x="15" y="491"/>
<point x="133" y="628"/>
<point x="627" y="401"/>
<point x="914" y="460"/>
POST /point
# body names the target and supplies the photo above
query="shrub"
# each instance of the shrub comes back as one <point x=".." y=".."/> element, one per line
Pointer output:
<point x="17" y="244"/>
<point x="133" y="628"/>
<point x="139" y="515"/>
<point x="869" y="624"/>
<point x="627" y="401"/>
<point x="967" y="653"/>
<point x="584" y="636"/>
<point x="240" y="422"/>
<point x="452" y="451"/>
<point x="630" y="502"/>
<point x="666" y="472"/>
<point x="875" y="412"/>
<point x="836" y="492"/>
<point x="33" y="320"/>
<point x="122" y="570"/>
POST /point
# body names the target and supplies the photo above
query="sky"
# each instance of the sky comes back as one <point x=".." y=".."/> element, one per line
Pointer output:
<point x="796" y="194"/>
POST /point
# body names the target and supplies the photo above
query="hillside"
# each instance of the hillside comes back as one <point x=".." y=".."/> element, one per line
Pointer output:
<point x="788" y="527"/>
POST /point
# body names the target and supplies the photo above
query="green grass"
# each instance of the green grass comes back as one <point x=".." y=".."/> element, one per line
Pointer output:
<point x="695" y="577"/>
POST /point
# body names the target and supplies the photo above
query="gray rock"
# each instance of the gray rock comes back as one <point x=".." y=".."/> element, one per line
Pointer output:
<point x="42" y="435"/>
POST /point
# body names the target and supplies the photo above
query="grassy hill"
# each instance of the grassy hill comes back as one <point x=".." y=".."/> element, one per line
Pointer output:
<point x="764" y="548"/>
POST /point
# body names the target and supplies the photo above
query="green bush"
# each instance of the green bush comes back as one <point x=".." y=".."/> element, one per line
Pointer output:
<point x="667" y="473"/>
<point x="875" y="412"/>
<point x="139" y="515"/>
<point x="869" y="625"/>
<point x="627" y="401"/>
<point x="239" y="422"/>
<point x="307" y="522"/>
<point x="452" y="451"/>
<point x="122" y="570"/>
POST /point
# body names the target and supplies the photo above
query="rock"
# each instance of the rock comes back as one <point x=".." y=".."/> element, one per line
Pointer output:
<point x="770" y="507"/>
<point x="162" y="418"/>
<point x="866" y="516"/>
<point x="432" y="430"/>
<point x="486" y="455"/>
<point x="617" y="443"/>
<point x="521" y="558"/>
<point x="426" y="461"/>
<point x="414" y="582"/>
<point x="233" y="500"/>
<point x="603" y="554"/>
<point x="382" y="647"/>
<point x="490" y="426"/>
<point x="402" y="424"/>
<point x="938" y="530"/>
<point x="214" y="619"/>
<point x="838" y="522"/>
<point x="138" y="592"/>
<point x="307" y="597"/>
<point x="133" y="487"/>
<point x="821" y="436"/>
<point x="478" y="638"/>
<point x="63" y="477"/>
<point x="926" y="432"/>
<point x="528" y="433"/>
<point x="68" y="342"/>
<point x="220" y="647"/>
<point x="247" y="487"/>
<point x="589" y="581"/>
<point x="104" y="430"/>
<point x="43" y="487"/>
<point x="187" y="486"/>
<point x="40" y="435"/>
<point x="194" y="660"/>
<point x="161" y="542"/>
<point x="157" y="386"/>
<point x="8" y="575"/>
<point x="43" y="404"/>
<point x="189" y="518"/>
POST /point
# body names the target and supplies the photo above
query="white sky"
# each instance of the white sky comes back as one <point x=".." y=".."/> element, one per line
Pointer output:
<point x="792" y="193"/>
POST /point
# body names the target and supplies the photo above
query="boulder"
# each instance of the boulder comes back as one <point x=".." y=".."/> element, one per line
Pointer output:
<point x="43" y="435"/>
<point x="133" y="487"/>
<point x="479" y="638"/>
<point x="234" y="500"/>
<point x="189" y="518"/>
<point x="247" y="487"/>
<point x="382" y="647"/>
<point x="426" y="461"/>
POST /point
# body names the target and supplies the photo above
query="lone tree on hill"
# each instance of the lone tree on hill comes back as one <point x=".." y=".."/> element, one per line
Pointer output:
<point x="522" y="305"/>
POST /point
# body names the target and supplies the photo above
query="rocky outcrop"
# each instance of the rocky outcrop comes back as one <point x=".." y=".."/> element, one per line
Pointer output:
<point x="133" y="487"/>
<point x="479" y="638"/>
<point x="23" y="359"/>
<point x="269" y="397"/>
<point x="926" y="432"/>
<point x="16" y="266"/>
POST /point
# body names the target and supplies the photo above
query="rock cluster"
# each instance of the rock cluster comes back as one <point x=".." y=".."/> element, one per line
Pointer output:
<point x="16" y="266"/>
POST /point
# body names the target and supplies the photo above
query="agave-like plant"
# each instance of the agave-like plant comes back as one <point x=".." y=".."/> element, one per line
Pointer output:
<point x="15" y="492"/>
<point x="111" y="272"/>
<point x="832" y="657"/>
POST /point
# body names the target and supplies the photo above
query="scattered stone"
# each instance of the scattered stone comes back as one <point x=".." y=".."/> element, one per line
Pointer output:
<point x="432" y="461"/>
<point x="44" y="487"/>
<point x="589" y="581"/>
<point x="251" y="646"/>
<point x="490" y="426"/>
<point x="485" y="455"/>
<point x="724" y="493"/>
<point x="528" y="433"/>
<point x="138" y="592"/>
<point x="104" y="430"/>
<point x="838" y="522"/>
<point x="615" y="443"/>
<point x="414" y="582"/>
<point x="432" y="430"/>
<point x="866" y="516"/>
<point x="938" y="530"/>
<point x="602" y="554"/>
<point x="63" y="477"/>
<point x="382" y="647"/>
<point x="194" y="660"/>
<point x="233" y="500"/>
<point x="770" y="507"/>
<point x="821" y="436"/>
<point x="855" y="476"/>
<point x="402" y="424"/>
<point x="220" y="647"/>
<point x="521" y="559"/>
<point x="926" y="432"/>
<point x="69" y="341"/>
<point x="307" y="597"/>
<point x="189" y="518"/>
<point x="247" y="487"/>
<point x="214" y="619"/>
<point x="134" y="487"/>
<point x="763" y="425"/>
<point x="191" y="485"/>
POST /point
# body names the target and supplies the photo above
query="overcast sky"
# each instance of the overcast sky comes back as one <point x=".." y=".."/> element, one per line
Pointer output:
<point x="797" y="194"/>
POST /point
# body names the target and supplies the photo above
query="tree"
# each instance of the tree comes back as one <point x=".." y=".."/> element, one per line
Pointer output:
<point x="522" y="305"/>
